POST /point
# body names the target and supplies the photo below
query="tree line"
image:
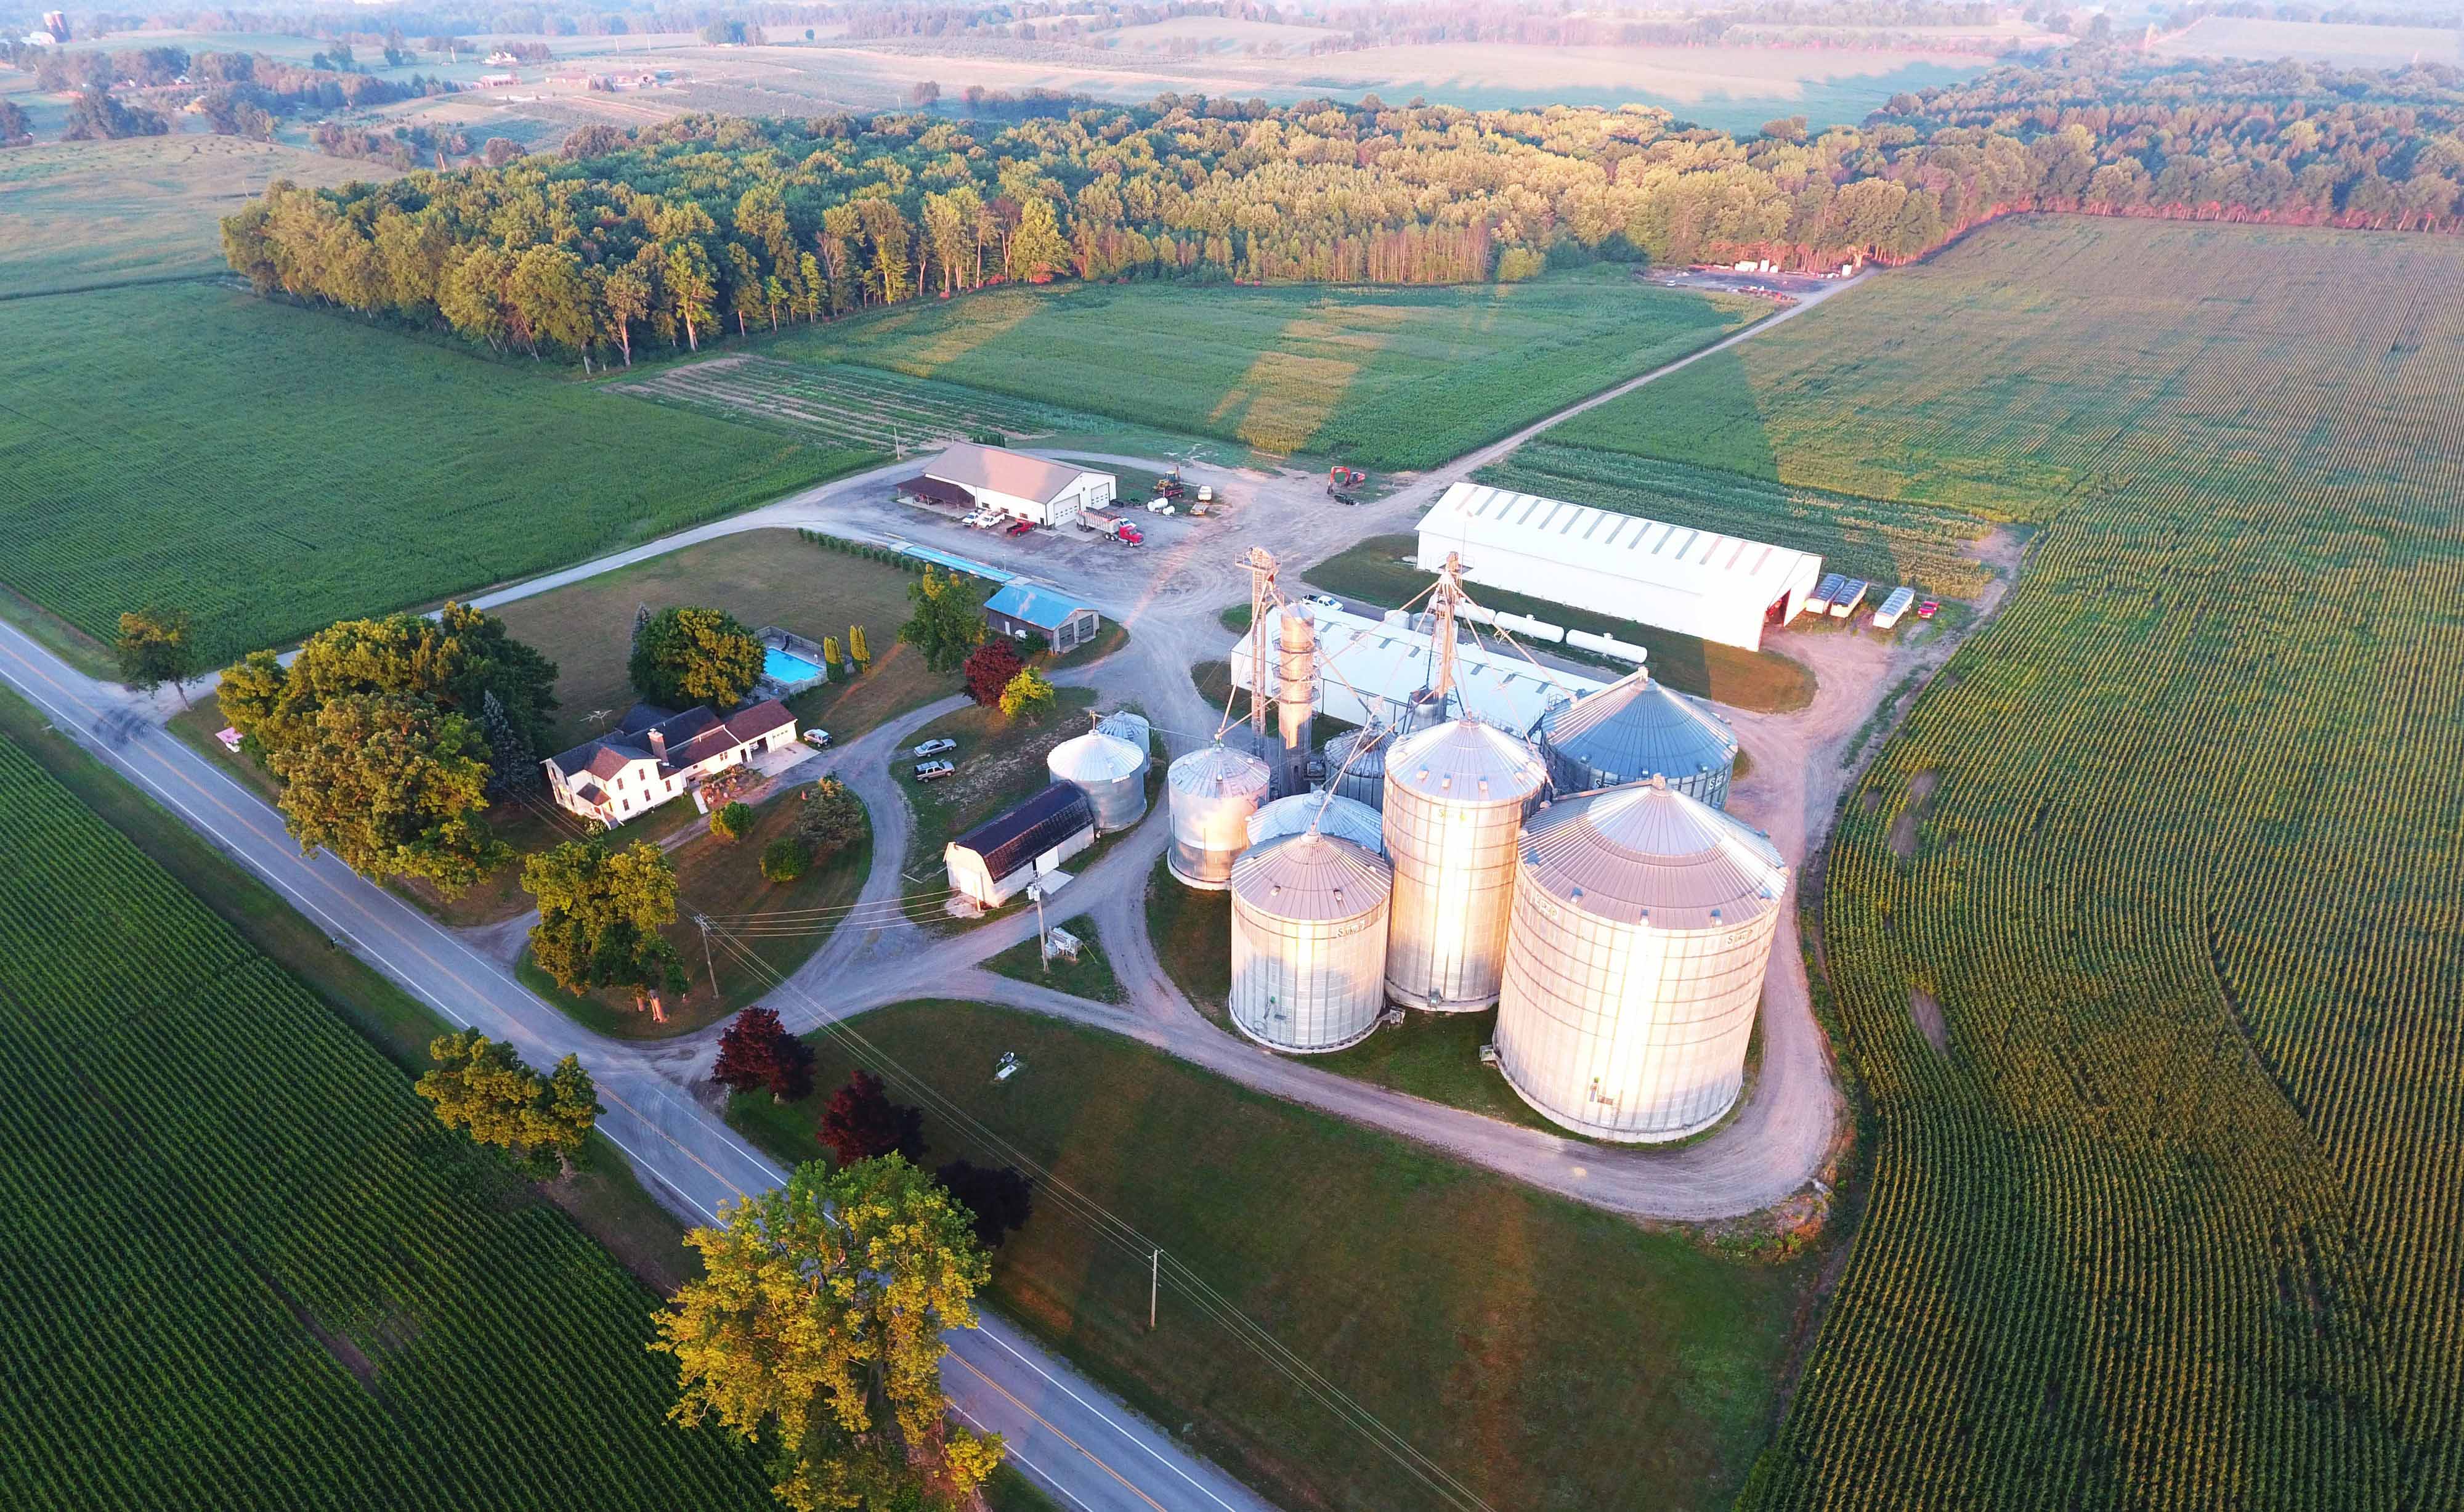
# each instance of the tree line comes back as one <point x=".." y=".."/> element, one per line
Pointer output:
<point x="666" y="233"/>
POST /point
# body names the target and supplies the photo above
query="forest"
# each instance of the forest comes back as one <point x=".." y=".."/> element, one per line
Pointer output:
<point x="664" y="232"/>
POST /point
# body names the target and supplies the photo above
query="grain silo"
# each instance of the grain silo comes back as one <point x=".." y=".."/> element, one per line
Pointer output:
<point x="1329" y="813"/>
<point x="1129" y="726"/>
<point x="1308" y="942"/>
<point x="1110" y="770"/>
<point x="1356" y="761"/>
<point x="1643" y="920"/>
<point x="1633" y="730"/>
<point x="1214" y="791"/>
<point x="1455" y="795"/>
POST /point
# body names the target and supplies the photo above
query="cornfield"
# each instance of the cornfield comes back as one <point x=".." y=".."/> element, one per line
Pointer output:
<point x="2175" y="1214"/>
<point x="245" y="1268"/>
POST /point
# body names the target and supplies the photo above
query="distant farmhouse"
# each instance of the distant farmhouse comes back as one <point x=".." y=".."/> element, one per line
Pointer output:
<point x="1050" y="494"/>
<point x="654" y="754"/>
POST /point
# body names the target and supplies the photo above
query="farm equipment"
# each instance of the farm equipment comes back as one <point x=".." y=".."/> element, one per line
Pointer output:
<point x="1170" y="485"/>
<point x="1893" y="607"/>
<point x="1339" y="478"/>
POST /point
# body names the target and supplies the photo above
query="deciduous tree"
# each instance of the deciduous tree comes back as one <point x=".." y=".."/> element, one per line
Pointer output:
<point x="784" y="860"/>
<point x="688" y="655"/>
<point x="816" y="1327"/>
<point x="1028" y="696"/>
<point x="860" y="1123"/>
<point x="155" y="647"/>
<point x="732" y="823"/>
<point x="756" y="1051"/>
<point x="832" y="817"/>
<point x="480" y="1086"/>
<point x="947" y="620"/>
<point x="394" y="785"/>
<point x="601" y="910"/>
<point x="989" y="669"/>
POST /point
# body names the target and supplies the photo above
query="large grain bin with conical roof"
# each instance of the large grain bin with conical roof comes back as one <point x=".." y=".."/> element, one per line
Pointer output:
<point x="1327" y="812"/>
<point x="1456" y="794"/>
<point x="1110" y="770"/>
<point x="1308" y="942"/>
<point x="1633" y="730"/>
<point x="1213" y="792"/>
<point x="1644" y="922"/>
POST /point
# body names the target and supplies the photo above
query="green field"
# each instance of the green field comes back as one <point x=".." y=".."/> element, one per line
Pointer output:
<point x="272" y="470"/>
<point x="2173" y="848"/>
<point x="81" y="214"/>
<point x="1550" y="1356"/>
<point x="249" y="1270"/>
<point x="1384" y="377"/>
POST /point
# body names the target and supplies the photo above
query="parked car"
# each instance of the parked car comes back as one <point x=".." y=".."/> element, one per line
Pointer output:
<point x="816" y="737"/>
<point x="1345" y="498"/>
<point x="933" y="770"/>
<point x="1323" y="601"/>
<point x="1162" y="506"/>
<point x="1206" y="492"/>
<point x="1019" y="527"/>
<point x="1928" y="608"/>
<point x="934" y="747"/>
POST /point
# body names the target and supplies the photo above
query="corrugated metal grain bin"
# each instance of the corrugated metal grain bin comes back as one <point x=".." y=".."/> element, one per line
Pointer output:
<point x="1644" y="922"/>
<point x="1636" y="729"/>
<point x="1308" y="942"/>
<point x="1214" y="789"/>
<point x="1455" y="795"/>
<point x="1332" y="814"/>
<point x="1111" y="772"/>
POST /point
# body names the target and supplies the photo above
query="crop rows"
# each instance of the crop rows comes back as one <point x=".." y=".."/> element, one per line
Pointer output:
<point x="1385" y="378"/>
<point x="846" y="405"/>
<point x="270" y="470"/>
<point x="245" y="1268"/>
<point x="1882" y="543"/>
<point x="2177" y="845"/>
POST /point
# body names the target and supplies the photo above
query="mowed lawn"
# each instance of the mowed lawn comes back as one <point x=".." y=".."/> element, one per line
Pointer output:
<point x="1546" y="1355"/>
<point x="1379" y="377"/>
<point x="762" y="577"/>
<point x="248" y="1268"/>
<point x="271" y="469"/>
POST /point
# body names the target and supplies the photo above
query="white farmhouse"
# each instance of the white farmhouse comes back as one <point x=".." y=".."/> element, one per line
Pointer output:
<point x="1695" y="582"/>
<point x="654" y="754"/>
<point x="1050" y="494"/>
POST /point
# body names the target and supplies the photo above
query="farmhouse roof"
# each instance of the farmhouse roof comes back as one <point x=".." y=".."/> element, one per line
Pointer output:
<point x="1678" y="558"/>
<point x="1044" y="607"/>
<point x="1018" y="837"/>
<point x="691" y="736"/>
<point x="1003" y="471"/>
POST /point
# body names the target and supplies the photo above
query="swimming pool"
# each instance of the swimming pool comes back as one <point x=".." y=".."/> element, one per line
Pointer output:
<point x="787" y="669"/>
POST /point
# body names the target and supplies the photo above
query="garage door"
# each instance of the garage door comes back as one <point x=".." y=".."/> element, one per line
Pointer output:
<point x="1065" y="511"/>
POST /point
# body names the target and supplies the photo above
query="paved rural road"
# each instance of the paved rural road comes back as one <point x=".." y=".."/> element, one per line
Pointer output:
<point x="1062" y="1430"/>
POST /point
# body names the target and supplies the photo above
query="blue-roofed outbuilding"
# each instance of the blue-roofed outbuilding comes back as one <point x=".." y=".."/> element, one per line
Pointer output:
<point x="1026" y="611"/>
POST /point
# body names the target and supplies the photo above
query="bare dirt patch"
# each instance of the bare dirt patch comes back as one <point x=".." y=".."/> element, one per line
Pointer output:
<point x="1904" y="828"/>
<point x="1928" y="1014"/>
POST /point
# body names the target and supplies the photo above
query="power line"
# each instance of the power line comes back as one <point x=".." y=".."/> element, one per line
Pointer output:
<point x="1124" y="1237"/>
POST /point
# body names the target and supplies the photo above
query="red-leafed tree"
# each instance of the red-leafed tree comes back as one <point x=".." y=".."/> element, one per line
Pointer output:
<point x="861" y="1124"/>
<point x="756" y="1051"/>
<point x="989" y="669"/>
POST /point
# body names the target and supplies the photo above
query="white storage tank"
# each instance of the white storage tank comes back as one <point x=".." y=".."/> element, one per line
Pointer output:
<point x="1455" y="795"/>
<point x="1332" y="814"/>
<point x="1110" y="770"/>
<point x="1633" y="730"/>
<point x="1356" y="761"/>
<point x="1129" y="726"/>
<point x="1644" y="922"/>
<point x="1214" y="789"/>
<point x="1308" y="942"/>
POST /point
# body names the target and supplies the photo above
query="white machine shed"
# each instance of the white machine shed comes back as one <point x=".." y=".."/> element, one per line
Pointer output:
<point x="1047" y="493"/>
<point x="1696" y="582"/>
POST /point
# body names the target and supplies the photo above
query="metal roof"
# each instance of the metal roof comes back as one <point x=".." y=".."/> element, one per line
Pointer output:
<point x="1650" y="855"/>
<point x="955" y="562"/>
<point x="1044" y="607"/>
<point x="1039" y="824"/>
<point x="1219" y="769"/>
<point x="1334" y="815"/>
<point x="1636" y="727"/>
<point x="1386" y="664"/>
<point x="1678" y="558"/>
<point x="1004" y="471"/>
<point x="1095" y="757"/>
<point x="1312" y="878"/>
<point x="1464" y="761"/>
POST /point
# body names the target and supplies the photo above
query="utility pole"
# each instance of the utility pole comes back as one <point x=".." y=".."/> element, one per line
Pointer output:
<point x="706" y="958"/>
<point x="1154" y="1284"/>
<point x="1042" y="937"/>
